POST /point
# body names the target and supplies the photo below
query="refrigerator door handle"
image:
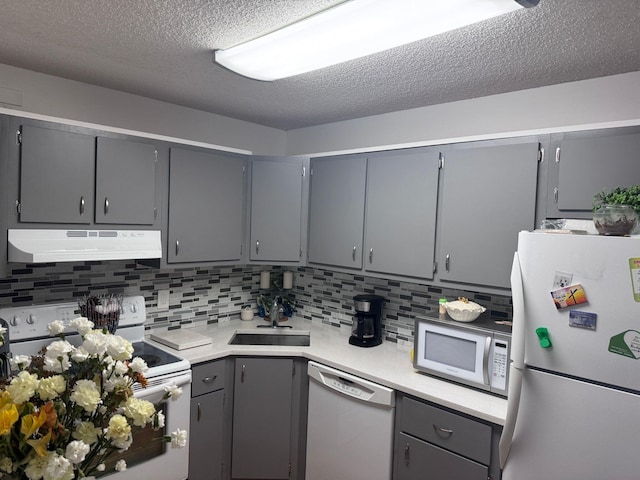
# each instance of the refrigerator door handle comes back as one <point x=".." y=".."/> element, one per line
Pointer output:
<point x="513" y="405"/>
<point x="516" y="368"/>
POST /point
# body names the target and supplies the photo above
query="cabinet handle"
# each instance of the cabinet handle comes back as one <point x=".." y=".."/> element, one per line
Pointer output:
<point x="443" y="430"/>
<point x="209" y="379"/>
<point x="242" y="374"/>
<point x="353" y="253"/>
<point x="177" y="247"/>
<point x="199" y="412"/>
<point x="446" y="262"/>
<point x="257" y="247"/>
<point x="406" y="455"/>
<point x="558" y="155"/>
<point x="106" y="205"/>
<point x="371" y="255"/>
<point x="82" y="205"/>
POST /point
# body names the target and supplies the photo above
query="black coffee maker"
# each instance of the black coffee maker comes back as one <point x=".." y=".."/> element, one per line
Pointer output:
<point x="367" y="321"/>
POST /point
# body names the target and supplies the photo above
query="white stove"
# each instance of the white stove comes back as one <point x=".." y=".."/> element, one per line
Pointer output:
<point x="27" y="328"/>
<point x="28" y="332"/>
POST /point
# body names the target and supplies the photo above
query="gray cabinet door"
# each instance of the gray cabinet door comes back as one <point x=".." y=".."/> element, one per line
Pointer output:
<point x="583" y="164"/>
<point x="262" y="411"/>
<point x="488" y="196"/>
<point x="205" y="206"/>
<point x="418" y="460"/>
<point x="57" y="172"/>
<point x="276" y="207"/>
<point x="336" y="211"/>
<point x="205" y="436"/>
<point x="402" y="196"/>
<point x="125" y="182"/>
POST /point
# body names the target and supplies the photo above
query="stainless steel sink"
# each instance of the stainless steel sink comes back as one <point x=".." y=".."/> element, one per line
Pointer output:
<point x="276" y="337"/>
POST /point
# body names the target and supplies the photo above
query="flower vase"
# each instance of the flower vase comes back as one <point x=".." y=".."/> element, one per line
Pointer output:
<point x="615" y="220"/>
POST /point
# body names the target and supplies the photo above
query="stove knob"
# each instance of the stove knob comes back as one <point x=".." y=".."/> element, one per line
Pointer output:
<point x="31" y="319"/>
<point x="15" y="321"/>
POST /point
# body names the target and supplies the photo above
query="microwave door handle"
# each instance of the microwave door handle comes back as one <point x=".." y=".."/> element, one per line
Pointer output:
<point x="485" y="360"/>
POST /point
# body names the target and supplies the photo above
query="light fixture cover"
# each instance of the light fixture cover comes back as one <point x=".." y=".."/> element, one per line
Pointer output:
<point x="354" y="29"/>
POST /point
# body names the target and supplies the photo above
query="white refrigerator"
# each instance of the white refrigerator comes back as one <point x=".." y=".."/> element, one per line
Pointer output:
<point x="574" y="394"/>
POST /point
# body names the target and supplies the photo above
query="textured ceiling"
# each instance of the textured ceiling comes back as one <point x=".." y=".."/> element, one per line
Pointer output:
<point x="162" y="49"/>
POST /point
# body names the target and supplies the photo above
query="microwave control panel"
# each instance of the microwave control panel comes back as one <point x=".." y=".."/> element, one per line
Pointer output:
<point x="500" y="364"/>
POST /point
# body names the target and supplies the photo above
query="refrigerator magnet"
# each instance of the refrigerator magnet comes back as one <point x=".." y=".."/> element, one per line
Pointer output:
<point x="569" y="296"/>
<point x="562" y="279"/>
<point x="626" y="344"/>
<point x="582" y="319"/>
<point x="634" y="267"/>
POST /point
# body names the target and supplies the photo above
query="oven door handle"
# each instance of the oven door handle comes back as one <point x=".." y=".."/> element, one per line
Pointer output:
<point x="178" y="380"/>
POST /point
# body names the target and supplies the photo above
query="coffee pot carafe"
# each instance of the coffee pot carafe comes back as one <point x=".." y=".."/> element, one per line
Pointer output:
<point x="366" y="330"/>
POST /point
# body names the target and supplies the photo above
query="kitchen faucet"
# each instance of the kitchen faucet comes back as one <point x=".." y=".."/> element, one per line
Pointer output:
<point x="274" y="313"/>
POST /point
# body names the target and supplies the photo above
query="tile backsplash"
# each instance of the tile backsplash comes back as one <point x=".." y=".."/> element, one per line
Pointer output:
<point x="212" y="294"/>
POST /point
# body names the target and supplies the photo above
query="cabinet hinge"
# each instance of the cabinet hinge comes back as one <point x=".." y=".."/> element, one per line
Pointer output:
<point x="155" y="213"/>
<point x="558" y="155"/>
<point x="244" y="169"/>
<point x="18" y="207"/>
<point x="293" y="370"/>
<point x="156" y="154"/>
<point x="541" y="155"/>
<point x="441" y="161"/>
<point x="240" y="249"/>
<point x="301" y="253"/>
<point x="18" y="137"/>
<point x="311" y="172"/>
<point x="304" y="171"/>
<point x="435" y="267"/>
<point x="289" y="469"/>
<point x="555" y="194"/>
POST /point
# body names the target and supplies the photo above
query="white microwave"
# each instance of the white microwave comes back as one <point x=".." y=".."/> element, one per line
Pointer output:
<point x="464" y="353"/>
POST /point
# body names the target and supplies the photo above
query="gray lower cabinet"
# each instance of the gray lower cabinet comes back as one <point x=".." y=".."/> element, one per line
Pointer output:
<point x="582" y="164"/>
<point x="276" y="209"/>
<point x="268" y="435"/>
<point x="206" y="192"/>
<point x="436" y="444"/>
<point x="488" y="196"/>
<point x="209" y="437"/>
<point x="336" y="210"/>
<point x="63" y="173"/>
<point x="400" y="219"/>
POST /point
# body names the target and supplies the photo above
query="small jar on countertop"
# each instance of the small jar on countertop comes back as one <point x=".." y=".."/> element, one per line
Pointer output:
<point x="442" y="306"/>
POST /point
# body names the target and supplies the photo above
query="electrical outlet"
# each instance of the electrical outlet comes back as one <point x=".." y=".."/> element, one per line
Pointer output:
<point x="163" y="299"/>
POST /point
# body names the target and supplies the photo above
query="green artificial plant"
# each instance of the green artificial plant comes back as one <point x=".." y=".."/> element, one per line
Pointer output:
<point x="619" y="196"/>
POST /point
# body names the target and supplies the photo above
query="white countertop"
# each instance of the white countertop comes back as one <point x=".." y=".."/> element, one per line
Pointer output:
<point x="387" y="364"/>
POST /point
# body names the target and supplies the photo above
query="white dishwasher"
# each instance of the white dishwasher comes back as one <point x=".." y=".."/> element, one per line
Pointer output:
<point x="350" y="427"/>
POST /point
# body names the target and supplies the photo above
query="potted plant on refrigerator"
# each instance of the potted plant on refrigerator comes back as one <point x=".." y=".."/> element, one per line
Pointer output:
<point x="616" y="212"/>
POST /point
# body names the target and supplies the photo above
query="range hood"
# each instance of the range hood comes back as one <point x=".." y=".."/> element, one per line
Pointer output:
<point x="45" y="245"/>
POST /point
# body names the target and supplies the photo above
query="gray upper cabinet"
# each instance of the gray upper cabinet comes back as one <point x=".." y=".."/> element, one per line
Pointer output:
<point x="57" y="174"/>
<point x="276" y="210"/>
<point x="402" y="195"/>
<point x="585" y="163"/>
<point x="488" y="196"/>
<point x="336" y="210"/>
<point x="62" y="172"/>
<point x="125" y="182"/>
<point x="205" y="206"/>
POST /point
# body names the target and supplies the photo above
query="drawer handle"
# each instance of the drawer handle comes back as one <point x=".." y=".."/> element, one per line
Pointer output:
<point x="106" y="205"/>
<point x="199" y="412"/>
<point x="209" y="379"/>
<point x="242" y="374"/>
<point x="353" y="253"/>
<point x="442" y="430"/>
<point x="406" y="455"/>
<point x="82" y="205"/>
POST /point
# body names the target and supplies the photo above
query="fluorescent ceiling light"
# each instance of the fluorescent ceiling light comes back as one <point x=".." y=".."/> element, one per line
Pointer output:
<point x="352" y="30"/>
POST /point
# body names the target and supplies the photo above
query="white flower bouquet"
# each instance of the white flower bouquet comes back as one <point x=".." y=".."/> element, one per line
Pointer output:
<point x="68" y="410"/>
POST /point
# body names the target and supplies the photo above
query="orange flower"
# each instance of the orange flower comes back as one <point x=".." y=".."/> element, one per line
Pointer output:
<point x="52" y="416"/>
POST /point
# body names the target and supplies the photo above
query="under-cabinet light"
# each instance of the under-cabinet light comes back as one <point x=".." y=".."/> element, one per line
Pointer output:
<point x="354" y="29"/>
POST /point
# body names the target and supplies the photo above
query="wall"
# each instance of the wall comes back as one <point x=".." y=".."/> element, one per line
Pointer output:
<point x="597" y="103"/>
<point x="199" y="295"/>
<point x="47" y="95"/>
